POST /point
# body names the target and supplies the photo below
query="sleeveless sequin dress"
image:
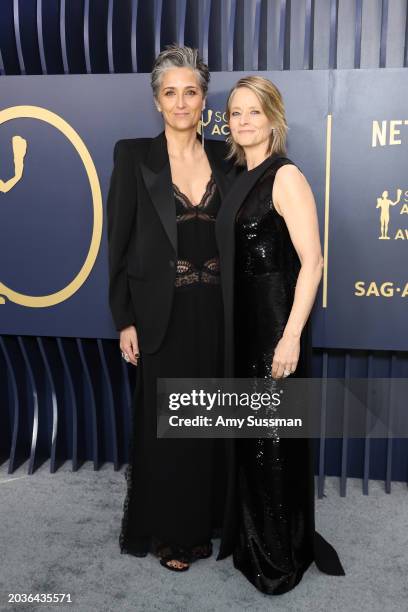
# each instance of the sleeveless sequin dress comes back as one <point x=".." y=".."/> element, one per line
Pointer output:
<point x="276" y="539"/>
<point x="175" y="487"/>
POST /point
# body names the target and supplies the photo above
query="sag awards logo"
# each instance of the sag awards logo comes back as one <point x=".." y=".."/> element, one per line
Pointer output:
<point x="216" y="122"/>
<point x="20" y="146"/>
<point x="390" y="229"/>
<point x="385" y="205"/>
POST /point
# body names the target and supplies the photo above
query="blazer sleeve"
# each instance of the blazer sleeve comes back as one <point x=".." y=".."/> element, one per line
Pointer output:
<point x="121" y="206"/>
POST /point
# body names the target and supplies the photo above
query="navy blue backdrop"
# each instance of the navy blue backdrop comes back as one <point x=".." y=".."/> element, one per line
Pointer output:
<point x="343" y="134"/>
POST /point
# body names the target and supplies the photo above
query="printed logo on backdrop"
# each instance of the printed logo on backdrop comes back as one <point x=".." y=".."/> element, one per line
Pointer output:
<point x="214" y="123"/>
<point x="387" y="134"/>
<point x="391" y="227"/>
<point x="19" y="147"/>
<point x="384" y="203"/>
<point x="392" y="216"/>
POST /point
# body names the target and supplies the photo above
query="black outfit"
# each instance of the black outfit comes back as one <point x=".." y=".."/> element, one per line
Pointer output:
<point x="273" y="525"/>
<point x="173" y="491"/>
<point x="142" y="233"/>
<point x="164" y="279"/>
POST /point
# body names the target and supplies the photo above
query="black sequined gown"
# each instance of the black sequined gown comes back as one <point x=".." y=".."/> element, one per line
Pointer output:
<point x="175" y="487"/>
<point x="276" y="536"/>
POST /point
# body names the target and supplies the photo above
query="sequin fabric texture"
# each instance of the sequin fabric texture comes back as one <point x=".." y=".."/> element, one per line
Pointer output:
<point x="274" y="545"/>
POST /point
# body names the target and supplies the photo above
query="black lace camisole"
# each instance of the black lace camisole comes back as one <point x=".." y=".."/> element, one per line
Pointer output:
<point x="197" y="262"/>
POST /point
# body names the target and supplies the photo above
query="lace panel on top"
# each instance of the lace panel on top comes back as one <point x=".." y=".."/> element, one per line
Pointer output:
<point x="188" y="273"/>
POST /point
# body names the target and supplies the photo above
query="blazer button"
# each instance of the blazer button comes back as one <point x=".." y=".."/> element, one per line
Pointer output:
<point x="171" y="263"/>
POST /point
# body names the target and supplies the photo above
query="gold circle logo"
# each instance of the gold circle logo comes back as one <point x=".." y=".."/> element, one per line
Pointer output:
<point x="42" y="114"/>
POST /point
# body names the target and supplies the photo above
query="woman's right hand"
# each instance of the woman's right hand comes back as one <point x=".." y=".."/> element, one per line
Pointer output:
<point x="129" y="344"/>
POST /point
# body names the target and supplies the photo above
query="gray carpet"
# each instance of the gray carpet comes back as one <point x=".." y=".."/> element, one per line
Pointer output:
<point x="59" y="534"/>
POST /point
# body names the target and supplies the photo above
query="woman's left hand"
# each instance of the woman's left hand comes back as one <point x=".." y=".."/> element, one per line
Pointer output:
<point x="286" y="356"/>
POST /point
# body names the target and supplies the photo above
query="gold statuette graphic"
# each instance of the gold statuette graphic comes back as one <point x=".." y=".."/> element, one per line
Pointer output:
<point x="384" y="204"/>
<point x="202" y="124"/>
<point x="19" y="150"/>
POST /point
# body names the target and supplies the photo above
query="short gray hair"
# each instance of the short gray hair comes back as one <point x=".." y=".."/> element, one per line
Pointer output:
<point x="179" y="57"/>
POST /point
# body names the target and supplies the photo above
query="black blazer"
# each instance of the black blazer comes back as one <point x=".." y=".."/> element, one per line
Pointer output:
<point x="142" y="233"/>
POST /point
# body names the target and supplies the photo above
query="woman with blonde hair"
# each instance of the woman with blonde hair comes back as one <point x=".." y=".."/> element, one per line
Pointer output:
<point x="271" y="267"/>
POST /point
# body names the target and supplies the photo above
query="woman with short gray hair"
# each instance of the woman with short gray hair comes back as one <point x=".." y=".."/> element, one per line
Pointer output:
<point x="179" y="57"/>
<point x="165" y="298"/>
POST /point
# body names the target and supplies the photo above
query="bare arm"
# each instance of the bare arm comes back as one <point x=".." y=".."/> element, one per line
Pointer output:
<point x="293" y="198"/>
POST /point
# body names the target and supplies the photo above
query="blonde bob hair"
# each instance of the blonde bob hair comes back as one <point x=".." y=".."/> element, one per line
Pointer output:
<point x="272" y="105"/>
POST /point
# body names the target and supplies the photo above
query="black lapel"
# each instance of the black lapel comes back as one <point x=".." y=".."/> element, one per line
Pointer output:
<point x="157" y="177"/>
<point x="241" y="186"/>
<point x="225" y="234"/>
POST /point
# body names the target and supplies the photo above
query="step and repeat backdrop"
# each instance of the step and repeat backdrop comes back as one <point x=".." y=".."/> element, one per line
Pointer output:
<point x="348" y="133"/>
